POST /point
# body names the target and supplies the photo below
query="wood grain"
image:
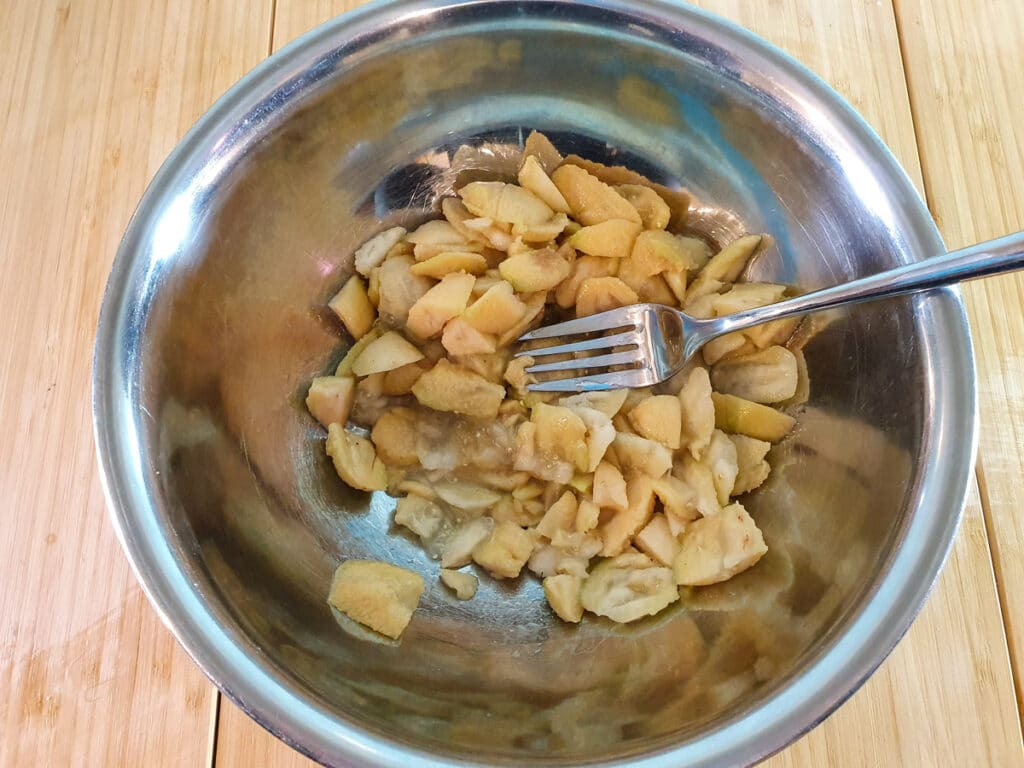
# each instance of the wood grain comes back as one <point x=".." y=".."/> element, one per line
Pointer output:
<point x="965" y="69"/>
<point x="945" y="697"/>
<point x="94" y="95"/>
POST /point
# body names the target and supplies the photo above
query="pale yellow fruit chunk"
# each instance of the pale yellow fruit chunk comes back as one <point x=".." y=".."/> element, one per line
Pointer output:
<point x="752" y="467"/>
<point x="658" y="417"/>
<point x="373" y="252"/>
<point x="721" y="459"/>
<point x="461" y="338"/>
<point x="628" y="587"/>
<point x="539" y="146"/>
<point x="583" y="268"/>
<point x="678" y="499"/>
<point x="504" y="553"/>
<point x="380" y="596"/>
<point x="533" y="177"/>
<point x="612" y="239"/>
<point x="588" y="513"/>
<point x="724" y="267"/>
<point x="653" y="210"/>
<point x="394" y="437"/>
<point x="616" y="532"/>
<point x="421" y="516"/>
<point x="507" y="203"/>
<point x="464" y="585"/>
<point x="745" y="417"/>
<point x="450" y="261"/>
<point x="560" y="516"/>
<point x="353" y="307"/>
<point x="656" y="539"/>
<point x="609" y="487"/>
<point x="599" y="294"/>
<point x="330" y="399"/>
<point x="590" y="199"/>
<point x="496" y="311"/>
<point x="457" y="214"/>
<point x="440" y="304"/>
<point x="400" y="380"/>
<point x="609" y="403"/>
<point x="656" y="251"/>
<point x="561" y="435"/>
<point x="538" y="270"/>
<point x="458" y="550"/>
<point x="399" y="290"/>
<point x="436" y="233"/>
<point x="352" y="354"/>
<point x="563" y="593"/>
<point x="452" y="388"/>
<point x="638" y="453"/>
<point x="355" y="460"/>
<point x="386" y="353"/>
<point x="766" y="376"/>
<point x="698" y="412"/>
<point x="718" y="547"/>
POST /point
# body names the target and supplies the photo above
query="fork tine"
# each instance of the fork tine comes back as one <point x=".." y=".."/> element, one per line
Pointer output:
<point x="618" y="340"/>
<point x="637" y="377"/>
<point x="583" y="363"/>
<point x="602" y="321"/>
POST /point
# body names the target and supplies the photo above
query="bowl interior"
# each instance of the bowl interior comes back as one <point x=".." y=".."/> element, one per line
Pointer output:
<point x="233" y="327"/>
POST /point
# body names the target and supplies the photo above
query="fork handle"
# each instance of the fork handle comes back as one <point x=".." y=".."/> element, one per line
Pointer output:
<point x="993" y="257"/>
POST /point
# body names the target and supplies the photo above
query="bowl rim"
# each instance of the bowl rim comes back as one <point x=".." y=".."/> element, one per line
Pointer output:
<point x="262" y="691"/>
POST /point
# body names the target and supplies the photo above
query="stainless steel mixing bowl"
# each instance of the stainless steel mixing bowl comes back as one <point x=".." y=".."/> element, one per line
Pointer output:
<point x="213" y="325"/>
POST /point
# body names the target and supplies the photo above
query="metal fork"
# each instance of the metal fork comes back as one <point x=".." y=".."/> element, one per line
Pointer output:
<point x="660" y="339"/>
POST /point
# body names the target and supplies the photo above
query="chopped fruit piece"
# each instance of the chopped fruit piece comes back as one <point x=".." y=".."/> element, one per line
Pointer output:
<point x="450" y="261"/>
<point x="654" y="212"/>
<point x="538" y="145"/>
<point x="355" y="460"/>
<point x="612" y="239"/>
<point x="538" y="270"/>
<point x="563" y="593"/>
<point x="559" y="517"/>
<point x="421" y="516"/>
<point x="372" y="253"/>
<point x="457" y="215"/>
<point x="448" y="387"/>
<point x="583" y="268"/>
<point x="561" y="435"/>
<point x="658" y="417"/>
<point x="440" y="304"/>
<point x="508" y="203"/>
<point x="628" y="587"/>
<point x="716" y="548"/>
<point x="746" y="296"/>
<point x="752" y="467"/>
<point x="504" y="553"/>
<point x="399" y="290"/>
<point x="656" y="251"/>
<point x="600" y="434"/>
<point x="434" y="237"/>
<point x="497" y="310"/>
<point x="330" y="399"/>
<point x="587" y="516"/>
<point x="656" y="540"/>
<point x="617" y="530"/>
<point x="533" y="178"/>
<point x="534" y="303"/>
<point x="461" y="338"/>
<point x="458" y="550"/>
<point x="643" y="455"/>
<point x="388" y="352"/>
<point x="724" y="267"/>
<point x="537" y="233"/>
<point x="353" y="307"/>
<point x="609" y="487"/>
<point x="701" y="481"/>
<point x="530" y="459"/>
<point x="722" y="461"/>
<point x="464" y="585"/>
<point x="698" y="412"/>
<point x="466" y="496"/>
<point x="378" y="595"/>
<point x="591" y="200"/>
<point x="399" y="381"/>
<point x="767" y="376"/>
<point x="738" y="416"/>
<point x="599" y="294"/>
<point x="609" y="403"/>
<point x="677" y="497"/>
<point x="394" y="437"/>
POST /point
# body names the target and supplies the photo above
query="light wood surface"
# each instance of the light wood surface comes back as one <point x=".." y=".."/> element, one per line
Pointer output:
<point x="965" y="70"/>
<point x="96" y="93"/>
